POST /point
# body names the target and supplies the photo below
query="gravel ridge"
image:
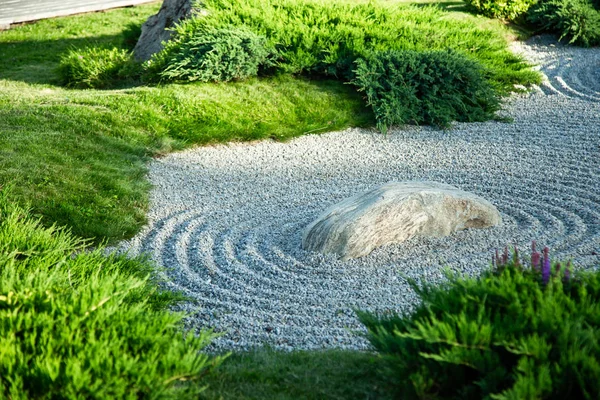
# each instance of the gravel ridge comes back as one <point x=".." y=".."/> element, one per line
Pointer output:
<point x="227" y="220"/>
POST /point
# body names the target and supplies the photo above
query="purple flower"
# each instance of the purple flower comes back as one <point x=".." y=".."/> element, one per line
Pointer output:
<point x="498" y="262"/>
<point x="535" y="257"/>
<point x="505" y="256"/>
<point x="546" y="267"/>
<point x="516" y="260"/>
<point x="568" y="271"/>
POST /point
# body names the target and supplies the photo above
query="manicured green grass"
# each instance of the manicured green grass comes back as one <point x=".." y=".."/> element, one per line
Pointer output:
<point x="67" y="161"/>
<point x="30" y="53"/>
<point x="79" y="156"/>
<point x="268" y="374"/>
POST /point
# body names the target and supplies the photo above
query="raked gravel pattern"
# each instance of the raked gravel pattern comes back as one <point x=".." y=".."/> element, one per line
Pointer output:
<point x="226" y="221"/>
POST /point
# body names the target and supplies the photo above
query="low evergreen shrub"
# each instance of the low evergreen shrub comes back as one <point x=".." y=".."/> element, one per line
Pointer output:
<point x="78" y="324"/>
<point x="517" y="332"/>
<point x="217" y="55"/>
<point x="325" y="38"/>
<point x="577" y="21"/>
<point x="236" y="39"/>
<point x="430" y="87"/>
<point x="97" y="68"/>
<point x="505" y="9"/>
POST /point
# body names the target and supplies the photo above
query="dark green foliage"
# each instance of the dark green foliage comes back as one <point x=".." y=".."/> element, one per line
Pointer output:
<point x="327" y="38"/>
<point x="97" y="68"/>
<point x="578" y="21"/>
<point x="431" y="87"/>
<point x="506" y="335"/>
<point x="313" y="36"/>
<point x="506" y="9"/>
<point x="212" y="55"/>
<point x="76" y="323"/>
<point x="131" y="34"/>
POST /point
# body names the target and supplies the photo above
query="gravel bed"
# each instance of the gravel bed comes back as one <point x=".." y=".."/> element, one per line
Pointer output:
<point x="226" y="221"/>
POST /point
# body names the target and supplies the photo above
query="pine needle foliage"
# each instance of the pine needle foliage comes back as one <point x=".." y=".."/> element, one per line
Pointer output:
<point x="326" y="37"/>
<point x="430" y="87"/>
<point x="97" y="68"/>
<point x="319" y="38"/>
<point x="212" y="55"/>
<point x="577" y="21"/>
<point x="505" y="9"/>
<point x="508" y="335"/>
<point x="76" y="323"/>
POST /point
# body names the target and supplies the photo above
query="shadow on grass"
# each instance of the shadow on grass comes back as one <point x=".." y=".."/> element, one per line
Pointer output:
<point x="325" y="374"/>
<point x="36" y="61"/>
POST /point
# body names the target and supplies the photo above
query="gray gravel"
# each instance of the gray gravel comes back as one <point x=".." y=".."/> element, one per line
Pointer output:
<point x="227" y="220"/>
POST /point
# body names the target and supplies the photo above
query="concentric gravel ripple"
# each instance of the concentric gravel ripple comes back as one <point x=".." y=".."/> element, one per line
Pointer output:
<point x="571" y="73"/>
<point x="227" y="220"/>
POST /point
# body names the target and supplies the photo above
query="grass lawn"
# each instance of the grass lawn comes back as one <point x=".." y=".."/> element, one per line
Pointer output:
<point x="268" y="374"/>
<point x="79" y="158"/>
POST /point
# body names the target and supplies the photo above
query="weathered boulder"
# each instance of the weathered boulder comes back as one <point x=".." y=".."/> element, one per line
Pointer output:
<point x="393" y="213"/>
<point x="155" y="30"/>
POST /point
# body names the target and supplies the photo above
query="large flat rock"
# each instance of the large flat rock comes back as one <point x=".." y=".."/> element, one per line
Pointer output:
<point x="393" y="213"/>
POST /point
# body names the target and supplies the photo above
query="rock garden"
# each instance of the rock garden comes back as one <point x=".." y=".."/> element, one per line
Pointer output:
<point x="302" y="199"/>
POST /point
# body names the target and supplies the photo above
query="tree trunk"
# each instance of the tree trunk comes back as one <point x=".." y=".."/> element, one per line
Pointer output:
<point x="155" y="29"/>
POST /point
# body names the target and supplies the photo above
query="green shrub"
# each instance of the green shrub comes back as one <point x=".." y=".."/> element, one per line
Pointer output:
<point x="76" y="323"/>
<point x="97" y="68"/>
<point x="578" y="21"/>
<point x="506" y="9"/>
<point x="325" y="38"/>
<point x="206" y="55"/>
<point x="514" y="333"/>
<point x="433" y="87"/>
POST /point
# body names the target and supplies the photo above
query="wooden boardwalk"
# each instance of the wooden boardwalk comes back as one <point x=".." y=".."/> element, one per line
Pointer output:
<point x="16" y="11"/>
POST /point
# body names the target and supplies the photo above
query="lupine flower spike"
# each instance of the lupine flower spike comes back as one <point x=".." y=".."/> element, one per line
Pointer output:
<point x="498" y="262"/>
<point x="546" y="267"/>
<point x="505" y="256"/>
<point x="568" y="271"/>
<point x="516" y="260"/>
<point x="535" y="257"/>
